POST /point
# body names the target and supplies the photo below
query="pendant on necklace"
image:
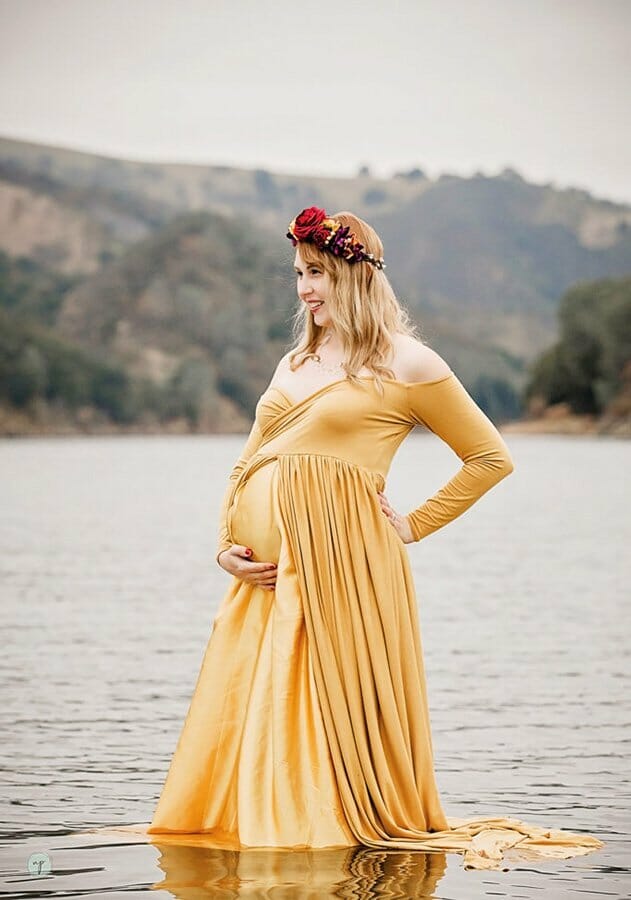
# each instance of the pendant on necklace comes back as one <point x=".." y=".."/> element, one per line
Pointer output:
<point x="331" y="369"/>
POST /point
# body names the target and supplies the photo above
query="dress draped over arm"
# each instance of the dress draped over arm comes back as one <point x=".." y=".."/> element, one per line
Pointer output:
<point x="446" y="409"/>
<point x="251" y="446"/>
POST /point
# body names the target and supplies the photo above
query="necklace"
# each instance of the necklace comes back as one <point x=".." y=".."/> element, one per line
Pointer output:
<point x="324" y="367"/>
<point x="332" y="368"/>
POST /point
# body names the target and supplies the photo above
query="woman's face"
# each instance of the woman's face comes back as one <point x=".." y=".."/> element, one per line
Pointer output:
<point x="314" y="287"/>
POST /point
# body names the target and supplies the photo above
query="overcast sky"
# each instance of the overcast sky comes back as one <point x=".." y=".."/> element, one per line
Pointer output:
<point x="447" y="85"/>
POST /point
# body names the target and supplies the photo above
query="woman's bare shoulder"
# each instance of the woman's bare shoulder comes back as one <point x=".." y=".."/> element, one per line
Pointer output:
<point x="282" y="367"/>
<point x="414" y="361"/>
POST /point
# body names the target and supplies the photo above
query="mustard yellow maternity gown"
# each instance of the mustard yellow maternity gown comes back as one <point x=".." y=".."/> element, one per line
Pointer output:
<point x="309" y="723"/>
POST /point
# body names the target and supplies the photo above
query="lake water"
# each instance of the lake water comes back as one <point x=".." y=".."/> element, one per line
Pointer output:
<point x="109" y="589"/>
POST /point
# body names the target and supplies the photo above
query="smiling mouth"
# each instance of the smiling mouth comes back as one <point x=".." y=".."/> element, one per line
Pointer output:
<point x="314" y="307"/>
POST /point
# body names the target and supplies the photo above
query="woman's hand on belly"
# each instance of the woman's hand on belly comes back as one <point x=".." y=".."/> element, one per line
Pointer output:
<point x="236" y="561"/>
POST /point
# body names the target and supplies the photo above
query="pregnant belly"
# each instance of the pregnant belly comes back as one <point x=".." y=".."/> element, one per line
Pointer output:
<point x="252" y="519"/>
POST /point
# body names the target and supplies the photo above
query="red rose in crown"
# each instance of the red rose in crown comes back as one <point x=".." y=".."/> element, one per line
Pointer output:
<point x="307" y="221"/>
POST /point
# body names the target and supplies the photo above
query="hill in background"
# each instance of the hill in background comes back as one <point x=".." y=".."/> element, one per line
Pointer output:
<point x="179" y="276"/>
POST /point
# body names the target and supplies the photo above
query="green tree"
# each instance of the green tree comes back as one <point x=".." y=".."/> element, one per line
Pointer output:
<point x="584" y="368"/>
<point x="191" y="391"/>
<point x="28" y="377"/>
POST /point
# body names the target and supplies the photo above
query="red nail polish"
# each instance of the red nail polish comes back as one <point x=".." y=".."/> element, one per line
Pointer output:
<point x="248" y="552"/>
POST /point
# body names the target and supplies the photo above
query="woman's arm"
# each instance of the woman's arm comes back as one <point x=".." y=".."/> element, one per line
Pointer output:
<point x="251" y="446"/>
<point x="445" y="407"/>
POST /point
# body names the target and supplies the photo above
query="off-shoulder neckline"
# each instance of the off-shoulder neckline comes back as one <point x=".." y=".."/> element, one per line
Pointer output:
<point x="407" y="384"/>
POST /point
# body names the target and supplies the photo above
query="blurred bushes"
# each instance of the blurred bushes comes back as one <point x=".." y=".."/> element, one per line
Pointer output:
<point x="31" y="289"/>
<point x="585" y="367"/>
<point x="36" y="365"/>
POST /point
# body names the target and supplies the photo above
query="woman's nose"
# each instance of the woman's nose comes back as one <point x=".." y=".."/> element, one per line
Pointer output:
<point x="305" y="288"/>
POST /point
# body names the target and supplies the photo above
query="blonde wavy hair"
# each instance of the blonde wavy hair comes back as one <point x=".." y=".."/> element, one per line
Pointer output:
<point x="362" y="305"/>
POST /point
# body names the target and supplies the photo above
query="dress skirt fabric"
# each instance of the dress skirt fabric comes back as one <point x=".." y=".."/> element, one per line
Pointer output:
<point x="252" y="765"/>
<point x="309" y="724"/>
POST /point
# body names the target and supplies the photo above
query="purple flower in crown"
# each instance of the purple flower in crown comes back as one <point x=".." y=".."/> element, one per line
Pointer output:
<point x="339" y="241"/>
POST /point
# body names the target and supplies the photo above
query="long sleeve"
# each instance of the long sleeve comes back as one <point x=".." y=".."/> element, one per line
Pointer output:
<point x="446" y="409"/>
<point x="251" y="446"/>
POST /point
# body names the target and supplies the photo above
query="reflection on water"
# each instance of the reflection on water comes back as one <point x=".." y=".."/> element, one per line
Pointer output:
<point x="109" y="589"/>
<point x="110" y="867"/>
<point x="348" y="872"/>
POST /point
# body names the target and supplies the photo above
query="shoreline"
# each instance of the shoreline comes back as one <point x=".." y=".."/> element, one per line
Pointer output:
<point x="557" y="419"/>
<point x="571" y="425"/>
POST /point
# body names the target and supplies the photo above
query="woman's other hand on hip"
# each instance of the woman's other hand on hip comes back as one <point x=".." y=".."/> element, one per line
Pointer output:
<point x="398" y="522"/>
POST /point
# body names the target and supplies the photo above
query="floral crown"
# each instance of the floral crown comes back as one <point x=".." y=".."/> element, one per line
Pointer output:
<point x="314" y="227"/>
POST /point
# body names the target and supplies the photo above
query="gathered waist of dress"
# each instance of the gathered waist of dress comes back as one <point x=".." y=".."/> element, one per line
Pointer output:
<point x="264" y="457"/>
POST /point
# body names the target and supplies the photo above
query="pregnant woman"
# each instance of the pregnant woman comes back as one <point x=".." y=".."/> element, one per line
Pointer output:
<point x="309" y="724"/>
